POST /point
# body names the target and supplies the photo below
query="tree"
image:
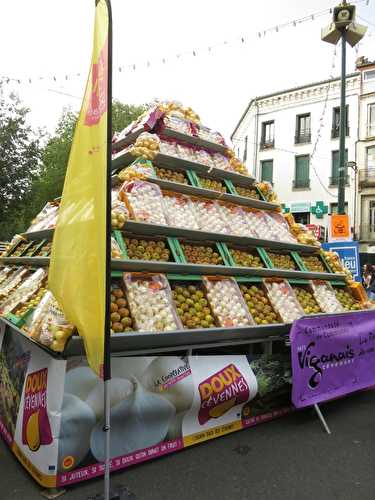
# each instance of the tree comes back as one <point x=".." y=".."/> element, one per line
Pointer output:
<point x="19" y="163"/>
<point x="123" y="114"/>
<point x="55" y="155"/>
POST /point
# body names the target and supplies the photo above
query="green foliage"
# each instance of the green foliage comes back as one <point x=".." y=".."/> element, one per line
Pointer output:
<point x="123" y="114"/>
<point x="30" y="175"/>
<point x="55" y="155"/>
<point x="19" y="164"/>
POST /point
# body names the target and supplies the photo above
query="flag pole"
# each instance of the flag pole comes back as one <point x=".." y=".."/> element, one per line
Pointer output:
<point x="107" y="326"/>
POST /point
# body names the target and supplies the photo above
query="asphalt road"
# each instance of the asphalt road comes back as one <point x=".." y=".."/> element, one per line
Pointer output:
<point x="288" y="459"/>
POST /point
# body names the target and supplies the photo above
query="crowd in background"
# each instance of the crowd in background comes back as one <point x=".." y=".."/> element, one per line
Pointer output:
<point x="368" y="280"/>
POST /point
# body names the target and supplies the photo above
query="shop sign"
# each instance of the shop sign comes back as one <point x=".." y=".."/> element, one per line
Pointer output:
<point x="332" y="356"/>
<point x="319" y="209"/>
<point x="319" y="231"/>
<point x="349" y="256"/>
<point x="300" y="206"/>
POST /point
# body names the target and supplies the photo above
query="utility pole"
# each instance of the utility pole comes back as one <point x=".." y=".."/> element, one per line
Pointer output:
<point x="343" y="26"/>
<point x="342" y="129"/>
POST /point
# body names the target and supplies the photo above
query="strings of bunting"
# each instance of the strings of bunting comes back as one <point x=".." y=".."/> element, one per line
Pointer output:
<point x="241" y="40"/>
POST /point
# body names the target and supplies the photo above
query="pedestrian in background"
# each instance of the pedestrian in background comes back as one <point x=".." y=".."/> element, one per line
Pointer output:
<point x="366" y="275"/>
<point x="371" y="285"/>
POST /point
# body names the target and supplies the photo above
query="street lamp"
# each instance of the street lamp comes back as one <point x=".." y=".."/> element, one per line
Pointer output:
<point x="344" y="27"/>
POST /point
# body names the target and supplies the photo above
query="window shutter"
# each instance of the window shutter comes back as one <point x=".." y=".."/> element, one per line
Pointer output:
<point x="335" y="165"/>
<point x="267" y="171"/>
<point x="302" y="169"/>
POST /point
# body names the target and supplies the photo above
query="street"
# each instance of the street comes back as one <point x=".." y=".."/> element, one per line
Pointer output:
<point x="288" y="459"/>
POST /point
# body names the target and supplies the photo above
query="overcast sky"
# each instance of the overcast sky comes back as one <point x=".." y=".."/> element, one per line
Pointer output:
<point x="54" y="38"/>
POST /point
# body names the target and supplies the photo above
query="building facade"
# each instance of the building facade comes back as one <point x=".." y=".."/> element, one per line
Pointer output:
<point x="291" y="139"/>
<point x="366" y="157"/>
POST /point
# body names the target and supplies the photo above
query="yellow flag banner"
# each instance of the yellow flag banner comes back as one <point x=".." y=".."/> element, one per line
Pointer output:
<point x="77" y="275"/>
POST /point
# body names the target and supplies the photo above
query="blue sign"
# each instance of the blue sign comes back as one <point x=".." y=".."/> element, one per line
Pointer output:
<point x="349" y="255"/>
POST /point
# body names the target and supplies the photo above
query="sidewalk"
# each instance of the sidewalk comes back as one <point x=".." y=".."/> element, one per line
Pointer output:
<point x="287" y="459"/>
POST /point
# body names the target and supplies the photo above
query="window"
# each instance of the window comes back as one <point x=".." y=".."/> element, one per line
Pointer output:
<point x="334" y="179"/>
<point x="245" y="151"/>
<point x="368" y="81"/>
<point x="371" y="213"/>
<point x="371" y="120"/>
<point x="302" y="217"/>
<point x="302" y="172"/>
<point x="303" y="129"/>
<point x="334" y="207"/>
<point x="268" y="135"/>
<point x="336" y="121"/>
<point x="266" y="171"/>
<point x="370" y="163"/>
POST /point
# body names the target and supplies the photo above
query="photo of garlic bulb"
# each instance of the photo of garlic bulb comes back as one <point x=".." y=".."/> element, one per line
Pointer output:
<point x="139" y="421"/>
<point x="77" y="422"/>
<point x="170" y="377"/>
<point x="149" y="399"/>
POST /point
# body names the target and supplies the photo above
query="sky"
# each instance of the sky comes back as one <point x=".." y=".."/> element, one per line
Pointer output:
<point x="50" y="42"/>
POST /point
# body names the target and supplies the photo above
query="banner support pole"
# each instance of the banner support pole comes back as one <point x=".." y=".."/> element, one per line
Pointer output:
<point x="322" y="419"/>
<point x="107" y="326"/>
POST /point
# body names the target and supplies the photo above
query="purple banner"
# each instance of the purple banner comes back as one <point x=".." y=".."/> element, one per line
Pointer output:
<point x="332" y="356"/>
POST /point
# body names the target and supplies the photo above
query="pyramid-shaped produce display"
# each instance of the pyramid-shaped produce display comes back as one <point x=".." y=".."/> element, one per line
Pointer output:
<point x="197" y="244"/>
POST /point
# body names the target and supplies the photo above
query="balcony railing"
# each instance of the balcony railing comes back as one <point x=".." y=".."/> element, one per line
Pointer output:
<point x="366" y="177"/>
<point x="335" y="132"/>
<point x="334" y="181"/>
<point x="370" y="130"/>
<point x="303" y="137"/>
<point x="267" y="143"/>
<point x="367" y="232"/>
<point x="301" y="183"/>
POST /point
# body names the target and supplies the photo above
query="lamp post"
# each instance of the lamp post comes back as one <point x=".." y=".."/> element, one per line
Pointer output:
<point x="344" y="27"/>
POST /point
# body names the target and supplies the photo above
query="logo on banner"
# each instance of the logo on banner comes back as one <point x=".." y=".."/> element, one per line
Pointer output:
<point x="220" y="392"/>
<point x="36" y="429"/>
<point x="319" y="363"/>
<point x="98" y="97"/>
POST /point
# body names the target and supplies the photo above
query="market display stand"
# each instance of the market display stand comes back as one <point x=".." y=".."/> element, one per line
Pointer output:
<point x="54" y="454"/>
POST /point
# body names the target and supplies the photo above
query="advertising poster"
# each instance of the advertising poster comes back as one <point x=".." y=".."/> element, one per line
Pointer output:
<point x="339" y="228"/>
<point x="332" y="356"/>
<point x="158" y="405"/>
<point x="52" y="412"/>
<point x="349" y="256"/>
<point x="30" y="403"/>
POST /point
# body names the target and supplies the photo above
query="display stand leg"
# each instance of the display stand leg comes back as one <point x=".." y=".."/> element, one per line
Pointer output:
<point x="267" y="347"/>
<point x="52" y="493"/>
<point x="189" y="352"/>
<point x="322" y="419"/>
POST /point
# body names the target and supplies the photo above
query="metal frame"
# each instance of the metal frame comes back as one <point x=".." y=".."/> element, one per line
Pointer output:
<point x="26" y="261"/>
<point x="175" y="163"/>
<point x="192" y="139"/>
<point x="202" y="269"/>
<point x="214" y="195"/>
<point x="159" y="230"/>
<point x="154" y="229"/>
<point x="197" y="141"/>
<point x="138" y="343"/>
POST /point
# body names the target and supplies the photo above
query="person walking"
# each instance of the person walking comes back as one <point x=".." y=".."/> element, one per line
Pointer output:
<point x="371" y="286"/>
<point x="366" y="275"/>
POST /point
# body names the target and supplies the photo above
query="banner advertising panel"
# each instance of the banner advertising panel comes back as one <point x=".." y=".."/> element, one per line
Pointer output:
<point x="332" y="356"/>
<point x="52" y="415"/>
<point x="349" y="256"/>
<point x="30" y="403"/>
